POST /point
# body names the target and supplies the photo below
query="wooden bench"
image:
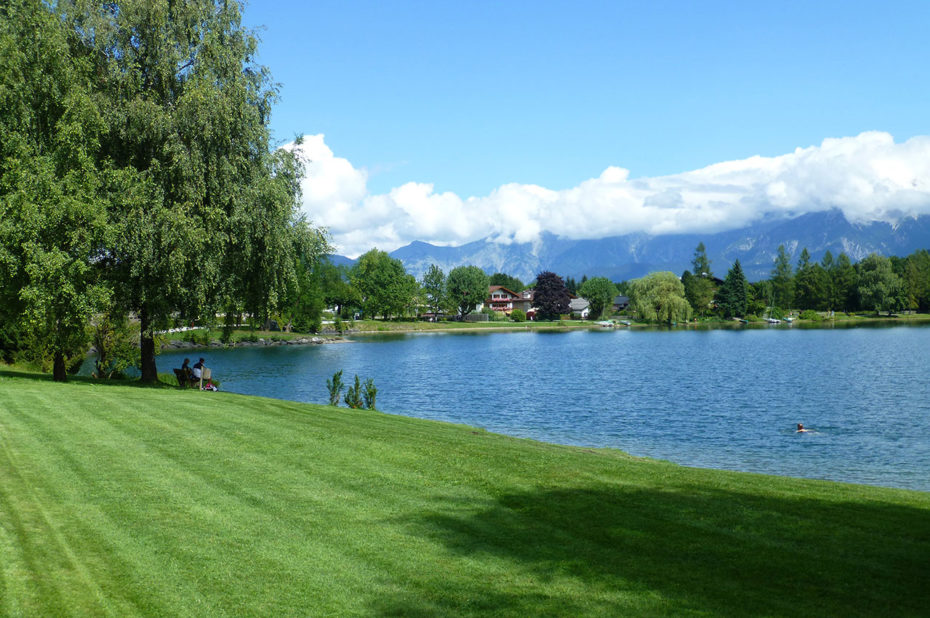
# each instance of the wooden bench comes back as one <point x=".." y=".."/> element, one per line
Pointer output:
<point x="185" y="377"/>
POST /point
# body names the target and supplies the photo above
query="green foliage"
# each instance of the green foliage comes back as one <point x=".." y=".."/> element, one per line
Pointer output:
<point x="199" y="336"/>
<point x="53" y="198"/>
<point x="776" y="313"/>
<point x="701" y="264"/>
<point x="203" y="211"/>
<point x="518" y="315"/>
<point x="370" y="393"/>
<point x="844" y="285"/>
<point x="916" y="280"/>
<point x="335" y="386"/>
<point x="353" y="396"/>
<point x="434" y="290"/>
<point x="810" y="314"/>
<point x="113" y="341"/>
<point x="879" y="288"/>
<point x="551" y="297"/>
<point x="384" y="286"/>
<point x="335" y="285"/>
<point x="733" y="295"/>
<point x="600" y="293"/>
<point x="306" y="294"/>
<point x="467" y="287"/>
<point x="812" y="284"/>
<point x="699" y="291"/>
<point x="782" y="280"/>
<point x="571" y="285"/>
<point x="511" y="283"/>
<point x="659" y="297"/>
<point x="759" y="295"/>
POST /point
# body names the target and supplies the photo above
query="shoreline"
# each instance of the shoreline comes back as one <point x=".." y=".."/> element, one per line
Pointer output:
<point x="280" y="338"/>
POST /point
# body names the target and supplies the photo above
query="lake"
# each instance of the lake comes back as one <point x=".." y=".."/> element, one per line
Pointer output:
<point x="725" y="399"/>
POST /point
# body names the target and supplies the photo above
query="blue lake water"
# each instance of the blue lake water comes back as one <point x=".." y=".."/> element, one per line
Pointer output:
<point x="709" y="398"/>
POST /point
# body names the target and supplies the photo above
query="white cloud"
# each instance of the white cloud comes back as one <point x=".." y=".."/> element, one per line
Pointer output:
<point x="869" y="177"/>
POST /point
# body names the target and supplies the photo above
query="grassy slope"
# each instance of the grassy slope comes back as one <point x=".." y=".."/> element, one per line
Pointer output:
<point x="126" y="500"/>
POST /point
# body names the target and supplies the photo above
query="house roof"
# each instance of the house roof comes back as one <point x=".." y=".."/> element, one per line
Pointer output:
<point x="495" y="288"/>
<point x="579" y="304"/>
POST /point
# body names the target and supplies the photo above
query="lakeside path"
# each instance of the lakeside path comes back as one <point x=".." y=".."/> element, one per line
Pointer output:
<point x="130" y="500"/>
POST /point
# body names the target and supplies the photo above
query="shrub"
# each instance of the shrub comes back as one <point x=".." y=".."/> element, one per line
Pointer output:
<point x="810" y="314"/>
<point x="518" y="315"/>
<point x="370" y="393"/>
<point x="354" y="395"/>
<point x="335" y="388"/>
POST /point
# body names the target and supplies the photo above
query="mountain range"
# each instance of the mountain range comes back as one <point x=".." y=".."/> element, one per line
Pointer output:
<point x="634" y="255"/>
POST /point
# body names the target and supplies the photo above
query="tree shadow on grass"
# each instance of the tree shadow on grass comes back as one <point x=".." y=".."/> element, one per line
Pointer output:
<point x="620" y="551"/>
<point x="87" y="380"/>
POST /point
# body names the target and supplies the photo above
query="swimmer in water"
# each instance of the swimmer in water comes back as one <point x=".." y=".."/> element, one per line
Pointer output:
<point x="801" y="428"/>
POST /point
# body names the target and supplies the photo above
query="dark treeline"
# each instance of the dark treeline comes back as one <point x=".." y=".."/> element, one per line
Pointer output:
<point x="877" y="283"/>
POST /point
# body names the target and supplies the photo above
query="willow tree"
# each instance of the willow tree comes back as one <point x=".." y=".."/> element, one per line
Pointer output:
<point x="52" y="207"/>
<point x="659" y="297"/>
<point x="203" y="209"/>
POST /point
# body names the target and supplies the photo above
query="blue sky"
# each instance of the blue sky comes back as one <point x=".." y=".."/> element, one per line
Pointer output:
<point x="463" y="98"/>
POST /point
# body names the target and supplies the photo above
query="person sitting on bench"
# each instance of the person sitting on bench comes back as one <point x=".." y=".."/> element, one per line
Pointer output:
<point x="198" y="370"/>
<point x="184" y="375"/>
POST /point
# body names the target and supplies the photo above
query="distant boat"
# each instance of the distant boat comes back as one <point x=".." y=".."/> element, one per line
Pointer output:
<point x="773" y="321"/>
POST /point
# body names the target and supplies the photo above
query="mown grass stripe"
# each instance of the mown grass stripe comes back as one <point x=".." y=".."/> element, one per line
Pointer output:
<point x="187" y="503"/>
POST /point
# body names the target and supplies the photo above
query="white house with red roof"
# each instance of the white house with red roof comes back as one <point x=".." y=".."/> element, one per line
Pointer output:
<point x="505" y="300"/>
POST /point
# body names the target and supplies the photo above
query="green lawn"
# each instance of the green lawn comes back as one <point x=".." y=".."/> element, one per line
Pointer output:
<point x="124" y="500"/>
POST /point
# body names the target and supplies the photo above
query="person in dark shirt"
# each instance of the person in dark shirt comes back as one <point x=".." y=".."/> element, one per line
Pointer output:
<point x="198" y="369"/>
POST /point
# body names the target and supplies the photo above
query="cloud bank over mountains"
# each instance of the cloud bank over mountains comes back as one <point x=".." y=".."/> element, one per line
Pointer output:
<point x="869" y="177"/>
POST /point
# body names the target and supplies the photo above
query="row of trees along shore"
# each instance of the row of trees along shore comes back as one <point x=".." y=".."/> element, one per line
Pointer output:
<point x="876" y="283"/>
<point x="137" y="175"/>
<point x="378" y="286"/>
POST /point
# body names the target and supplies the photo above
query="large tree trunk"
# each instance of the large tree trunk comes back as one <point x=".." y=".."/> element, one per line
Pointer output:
<point x="147" y="349"/>
<point x="59" y="373"/>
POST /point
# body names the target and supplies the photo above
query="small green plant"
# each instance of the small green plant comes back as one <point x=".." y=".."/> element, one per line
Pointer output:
<point x="338" y="325"/>
<point x="354" y="395"/>
<point x="335" y="388"/>
<point x="370" y="393"/>
<point x="518" y="315"/>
